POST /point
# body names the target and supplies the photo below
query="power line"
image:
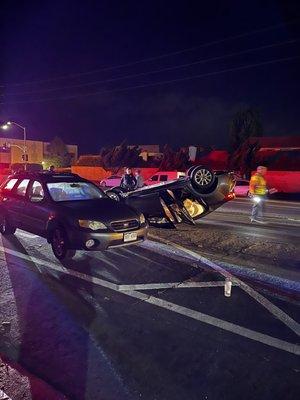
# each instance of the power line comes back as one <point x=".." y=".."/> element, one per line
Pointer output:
<point x="159" y="83"/>
<point x="171" y="68"/>
<point x="164" y="55"/>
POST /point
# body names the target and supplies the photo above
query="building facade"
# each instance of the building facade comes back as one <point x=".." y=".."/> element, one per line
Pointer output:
<point x="11" y="151"/>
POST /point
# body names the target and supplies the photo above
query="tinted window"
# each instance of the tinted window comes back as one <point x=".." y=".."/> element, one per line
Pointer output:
<point x="36" y="192"/>
<point x="154" y="178"/>
<point x="22" y="187"/>
<point x="242" y="183"/>
<point x="74" y="191"/>
<point x="163" y="178"/>
<point x="10" y="184"/>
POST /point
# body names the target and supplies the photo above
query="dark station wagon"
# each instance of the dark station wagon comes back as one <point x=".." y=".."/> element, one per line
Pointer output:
<point x="69" y="211"/>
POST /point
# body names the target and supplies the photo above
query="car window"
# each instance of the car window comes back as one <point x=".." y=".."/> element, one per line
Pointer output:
<point x="74" y="191"/>
<point x="10" y="184"/>
<point x="163" y="178"/>
<point x="242" y="183"/>
<point x="22" y="187"/>
<point x="154" y="178"/>
<point x="36" y="192"/>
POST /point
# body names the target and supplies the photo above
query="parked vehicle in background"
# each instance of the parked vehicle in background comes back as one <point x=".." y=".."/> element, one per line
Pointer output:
<point x="111" y="181"/>
<point x="164" y="176"/>
<point x="241" y="188"/>
<point x="70" y="212"/>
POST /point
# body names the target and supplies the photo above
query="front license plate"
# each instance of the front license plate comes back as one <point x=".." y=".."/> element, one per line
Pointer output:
<point x="130" y="237"/>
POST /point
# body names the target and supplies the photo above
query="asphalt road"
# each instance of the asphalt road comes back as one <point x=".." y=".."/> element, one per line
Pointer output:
<point x="281" y="219"/>
<point x="289" y="211"/>
<point x="143" y="322"/>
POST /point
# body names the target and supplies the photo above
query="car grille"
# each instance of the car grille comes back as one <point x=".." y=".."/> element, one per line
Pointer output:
<point x="123" y="226"/>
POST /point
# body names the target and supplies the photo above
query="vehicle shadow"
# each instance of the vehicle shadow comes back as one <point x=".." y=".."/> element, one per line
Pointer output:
<point x="51" y="341"/>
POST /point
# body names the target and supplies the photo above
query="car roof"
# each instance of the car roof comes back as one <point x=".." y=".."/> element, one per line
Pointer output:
<point x="47" y="176"/>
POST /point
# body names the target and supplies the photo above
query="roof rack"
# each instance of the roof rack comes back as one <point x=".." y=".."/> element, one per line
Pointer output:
<point x="46" y="173"/>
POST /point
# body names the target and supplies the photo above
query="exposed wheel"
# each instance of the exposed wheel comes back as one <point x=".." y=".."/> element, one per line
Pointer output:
<point x="113" y="195"/>
<point x="5" y="227"/>
<point x="203" y="179"/>
<point x="59" y="244"/>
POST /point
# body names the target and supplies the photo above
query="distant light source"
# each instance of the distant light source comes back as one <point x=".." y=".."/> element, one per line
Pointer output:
<point x="5" y="127"/>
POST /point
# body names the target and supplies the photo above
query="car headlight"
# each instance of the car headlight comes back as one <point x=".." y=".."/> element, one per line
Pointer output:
<point x="142" y="219"/>
<point x="94" y="225"/>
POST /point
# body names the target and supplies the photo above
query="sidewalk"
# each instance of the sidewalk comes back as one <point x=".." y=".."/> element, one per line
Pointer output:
<point x="18" y="384"/>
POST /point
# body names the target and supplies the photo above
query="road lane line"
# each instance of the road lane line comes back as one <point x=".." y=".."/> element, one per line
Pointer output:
<point x="205" y="318"/>
<point x="225" y="325"/>
<point x="3" y="396"/>
<point x="272" y="308"/>
<point x="171" y="285"/>
<point x="26" y="235"/>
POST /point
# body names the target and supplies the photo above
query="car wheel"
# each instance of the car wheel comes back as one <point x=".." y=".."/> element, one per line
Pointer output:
<point x="59" y="244"/>
<point x="5" y="226"/>
<point x="113" y="195"/>
<point x="202" y="178"/>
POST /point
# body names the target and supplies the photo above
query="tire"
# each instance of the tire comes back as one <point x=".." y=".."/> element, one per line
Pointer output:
<point x="5" y="227"/>
<point x="113" y="195"/>
<point x="203" y="179"/>
<point x="59" y="244"/>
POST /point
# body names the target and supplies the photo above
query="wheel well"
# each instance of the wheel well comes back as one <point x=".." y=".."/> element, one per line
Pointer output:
<point x="51" y="225"/>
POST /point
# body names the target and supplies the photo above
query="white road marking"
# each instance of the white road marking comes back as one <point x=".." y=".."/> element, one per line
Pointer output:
<point x="171" y="285"/>
<point x="228" y="326"/>
<point x="26" y="234"/>
<point x="208" y="319"/>
<point x="272" y="308"/>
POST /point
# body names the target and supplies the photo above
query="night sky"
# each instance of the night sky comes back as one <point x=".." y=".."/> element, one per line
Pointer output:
<point x="87" y="70"/>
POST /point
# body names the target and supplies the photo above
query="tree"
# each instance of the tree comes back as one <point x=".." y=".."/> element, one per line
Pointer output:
<point x="57" y="154"/>
<point x="174" y="160"/>
<point x="245" y="123"/>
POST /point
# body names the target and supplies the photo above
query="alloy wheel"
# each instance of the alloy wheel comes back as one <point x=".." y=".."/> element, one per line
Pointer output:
<point x="203" y="177"/>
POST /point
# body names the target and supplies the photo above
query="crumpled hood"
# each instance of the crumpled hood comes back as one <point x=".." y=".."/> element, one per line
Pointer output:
<point x="104" y="210"/>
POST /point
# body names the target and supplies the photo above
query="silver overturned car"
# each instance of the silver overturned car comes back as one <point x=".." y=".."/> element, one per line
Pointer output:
<point x="182" y="200"/>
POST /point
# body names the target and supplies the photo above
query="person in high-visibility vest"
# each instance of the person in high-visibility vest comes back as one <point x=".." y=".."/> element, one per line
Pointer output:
<point x="258" y="192"/>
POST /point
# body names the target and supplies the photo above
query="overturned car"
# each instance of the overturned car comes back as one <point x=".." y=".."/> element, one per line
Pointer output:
<point x="182" y="200"/>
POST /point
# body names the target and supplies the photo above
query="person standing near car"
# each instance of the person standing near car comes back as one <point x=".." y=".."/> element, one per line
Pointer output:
<point x="258" y="192"/>
<point x="128" y="181"/>
<point x="139" y="179"/>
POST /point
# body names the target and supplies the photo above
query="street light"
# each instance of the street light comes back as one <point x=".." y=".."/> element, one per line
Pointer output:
<point x="7" y="126"/>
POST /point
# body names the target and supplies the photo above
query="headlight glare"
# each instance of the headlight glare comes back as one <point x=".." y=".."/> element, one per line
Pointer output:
<point x="93" y="225"/>
<point x="142" y="219"/>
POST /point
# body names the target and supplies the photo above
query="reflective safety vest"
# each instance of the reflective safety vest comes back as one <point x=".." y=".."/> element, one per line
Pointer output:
<point x="258" y="185"/>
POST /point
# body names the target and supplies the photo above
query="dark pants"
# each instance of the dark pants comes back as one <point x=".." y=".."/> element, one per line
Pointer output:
<point x="258" y="206"/>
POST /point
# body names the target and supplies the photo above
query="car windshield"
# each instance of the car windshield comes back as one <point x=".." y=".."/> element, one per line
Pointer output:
<point x="72" y="191"/>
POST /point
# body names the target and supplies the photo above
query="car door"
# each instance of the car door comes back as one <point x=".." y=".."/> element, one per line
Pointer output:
<point x="37" y="210"/>
<point x="18" y="203"/>
<point x="7" y="199"/>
